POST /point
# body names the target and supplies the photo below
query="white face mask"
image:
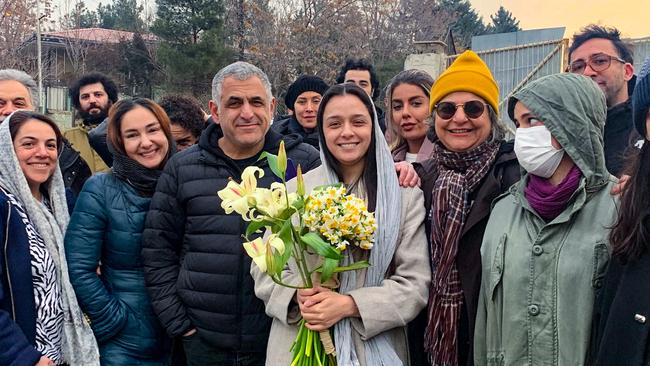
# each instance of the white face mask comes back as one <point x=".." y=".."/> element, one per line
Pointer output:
<point x="535" y="151"/>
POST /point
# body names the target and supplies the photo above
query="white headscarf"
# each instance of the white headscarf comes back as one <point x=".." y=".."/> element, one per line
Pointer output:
<point x="78" y="342"/>
<point x="380" y="349"/>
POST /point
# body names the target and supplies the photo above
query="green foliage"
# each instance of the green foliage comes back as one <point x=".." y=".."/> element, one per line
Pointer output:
<point x="320" y="246"/>
<point x="191" y="49"/>
<point x="185" y="21"/>
<point x="468" y="23"/>
<point x="121" y="15"/>
<point x="137" y="66"/>
<point x="503" y="22"/>
<point x="191" y="67"/>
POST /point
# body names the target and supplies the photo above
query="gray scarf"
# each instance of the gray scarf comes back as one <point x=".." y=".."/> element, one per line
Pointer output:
<point x="380" y="349"/>
<point x="78" y="346"/>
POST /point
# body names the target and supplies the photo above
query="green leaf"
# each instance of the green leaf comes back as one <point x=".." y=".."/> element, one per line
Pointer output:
<point x="326" y="186"/>
<point x="254" y="226"/>
<point x="273" y="163"/>
<point x="320" y="246"/>
<point x="352" y="267"/>
<point x="327" y="269"/>
<point x="286" y="235"/>
<point x="299" y="203"/>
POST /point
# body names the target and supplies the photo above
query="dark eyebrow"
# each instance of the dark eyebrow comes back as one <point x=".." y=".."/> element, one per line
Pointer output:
<point x="232" y="99"/>
<point x="34" y="138"/>
<point x="257" y="98"/>
<point x="151" y="124"/>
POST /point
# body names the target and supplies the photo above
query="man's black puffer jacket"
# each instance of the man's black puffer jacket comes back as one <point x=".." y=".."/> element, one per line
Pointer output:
<point x="196" y="269"/>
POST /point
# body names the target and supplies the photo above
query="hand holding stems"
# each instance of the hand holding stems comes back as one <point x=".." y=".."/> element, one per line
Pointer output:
<point x="322" y="308"/>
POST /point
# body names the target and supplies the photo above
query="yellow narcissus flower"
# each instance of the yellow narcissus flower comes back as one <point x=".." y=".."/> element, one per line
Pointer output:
<point x="239" y="197"/>
<point x="256" y="249"/>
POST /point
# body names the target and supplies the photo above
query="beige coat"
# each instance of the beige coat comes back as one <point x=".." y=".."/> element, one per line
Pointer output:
<point x="78" y="137"/>
<point x="387" y="308"/>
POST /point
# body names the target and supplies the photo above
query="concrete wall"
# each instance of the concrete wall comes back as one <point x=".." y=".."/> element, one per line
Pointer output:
<point x="433" y="63"/>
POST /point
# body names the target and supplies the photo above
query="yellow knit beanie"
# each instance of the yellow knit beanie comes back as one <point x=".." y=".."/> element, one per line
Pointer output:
<point x="468" y="73"/>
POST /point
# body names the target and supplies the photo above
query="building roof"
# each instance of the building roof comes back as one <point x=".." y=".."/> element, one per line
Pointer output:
<point x="99" y="35"/>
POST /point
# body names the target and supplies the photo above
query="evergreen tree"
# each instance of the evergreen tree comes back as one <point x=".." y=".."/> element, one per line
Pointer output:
<point x="468" y="23"/>
<point x="121" y="15"/>
<point x="138" y="67"/>
<point x="192" y="49"/>
<point x="503" y="22"/>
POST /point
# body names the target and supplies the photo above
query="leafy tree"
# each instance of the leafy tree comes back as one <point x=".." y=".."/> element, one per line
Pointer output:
<point x="192" y="49"/>
<point x="503" y="22"/>
<point x="121" y="15"/>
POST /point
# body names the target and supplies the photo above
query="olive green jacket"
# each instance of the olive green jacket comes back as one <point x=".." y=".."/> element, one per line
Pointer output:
<point x="539" y="278"/>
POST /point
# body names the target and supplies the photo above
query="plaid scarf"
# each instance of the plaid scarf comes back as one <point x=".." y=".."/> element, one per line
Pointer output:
<point x="459" y="173"/>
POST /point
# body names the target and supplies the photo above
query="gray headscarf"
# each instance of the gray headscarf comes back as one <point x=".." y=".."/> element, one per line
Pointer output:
<point x="380" y="349"/>
<point x="78" y="342"/>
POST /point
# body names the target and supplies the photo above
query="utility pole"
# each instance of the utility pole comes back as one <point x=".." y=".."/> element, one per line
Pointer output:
<point x="40" y="61"/>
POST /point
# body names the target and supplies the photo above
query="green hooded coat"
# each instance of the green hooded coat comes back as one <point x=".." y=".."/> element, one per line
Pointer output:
<point x="539" y="278"/>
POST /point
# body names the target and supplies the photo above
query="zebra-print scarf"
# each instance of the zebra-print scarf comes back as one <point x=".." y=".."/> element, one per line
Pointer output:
<point x="78" y="341"/>
<point x="459" y="173"/>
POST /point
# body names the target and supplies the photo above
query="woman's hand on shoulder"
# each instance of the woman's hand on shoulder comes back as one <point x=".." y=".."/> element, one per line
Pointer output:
<point x="322" y="308"/>
<point x="406" y="174"/>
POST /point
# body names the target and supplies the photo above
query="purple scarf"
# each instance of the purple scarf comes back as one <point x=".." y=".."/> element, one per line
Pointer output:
<point x="548" y="200"/>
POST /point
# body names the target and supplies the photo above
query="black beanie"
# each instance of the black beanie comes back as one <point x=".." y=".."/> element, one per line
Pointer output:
<point x="641" y="98"/>
<point x="303" y="84"/>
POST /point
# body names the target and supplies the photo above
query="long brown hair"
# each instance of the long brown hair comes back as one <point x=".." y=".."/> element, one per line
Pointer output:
<point x="630" y="236"/>
<point x="119" y="109"/>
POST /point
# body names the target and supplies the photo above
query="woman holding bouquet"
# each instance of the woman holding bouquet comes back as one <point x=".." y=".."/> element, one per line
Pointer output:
<point x="369" y="311"/>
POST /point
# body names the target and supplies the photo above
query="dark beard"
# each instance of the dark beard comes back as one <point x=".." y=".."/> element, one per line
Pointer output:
<point x="94" y="119"/>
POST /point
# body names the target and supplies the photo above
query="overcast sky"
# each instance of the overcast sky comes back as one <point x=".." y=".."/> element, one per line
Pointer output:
<point x="631" y="17"/>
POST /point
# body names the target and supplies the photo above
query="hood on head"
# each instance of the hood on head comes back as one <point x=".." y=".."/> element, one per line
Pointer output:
<point x="573" y="109"/>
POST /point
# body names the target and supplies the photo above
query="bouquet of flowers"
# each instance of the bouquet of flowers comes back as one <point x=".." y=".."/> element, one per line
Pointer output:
<point x="324" y="223"/>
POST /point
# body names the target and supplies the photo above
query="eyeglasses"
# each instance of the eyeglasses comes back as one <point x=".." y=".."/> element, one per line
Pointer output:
<point x="597" y="62"/>
<point x="473" y="109"/>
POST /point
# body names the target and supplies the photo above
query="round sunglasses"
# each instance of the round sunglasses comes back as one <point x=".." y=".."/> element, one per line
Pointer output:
<point x="473" y="109"/>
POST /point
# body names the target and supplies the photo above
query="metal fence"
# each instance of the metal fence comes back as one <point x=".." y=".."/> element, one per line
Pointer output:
<point x="513" y="67"/>
<point x="641" y="49"/>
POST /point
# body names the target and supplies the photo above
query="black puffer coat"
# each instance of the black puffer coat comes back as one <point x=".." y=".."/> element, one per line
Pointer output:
<point x="196" y="270"/>
<point x="291" y="125"/>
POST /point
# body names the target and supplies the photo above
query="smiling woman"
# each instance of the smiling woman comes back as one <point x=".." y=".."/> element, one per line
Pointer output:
<point x="470" y="166"/>
<point x="106" y="228"/>
<point x="370" y="310"/>
<point x="39" y="316"/>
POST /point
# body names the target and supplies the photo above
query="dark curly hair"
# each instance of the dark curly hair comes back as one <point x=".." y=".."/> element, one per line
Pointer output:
<point x="94" y="77"/>
<point x="184" y="111"/>
<point x="594" y="31"/>
<point x="360" y="64"/>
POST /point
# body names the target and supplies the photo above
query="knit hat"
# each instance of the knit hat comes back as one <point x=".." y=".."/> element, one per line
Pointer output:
<point x="641" y="98"/>
<point x="468" y="73"/>
<point x="303" y="84"/>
